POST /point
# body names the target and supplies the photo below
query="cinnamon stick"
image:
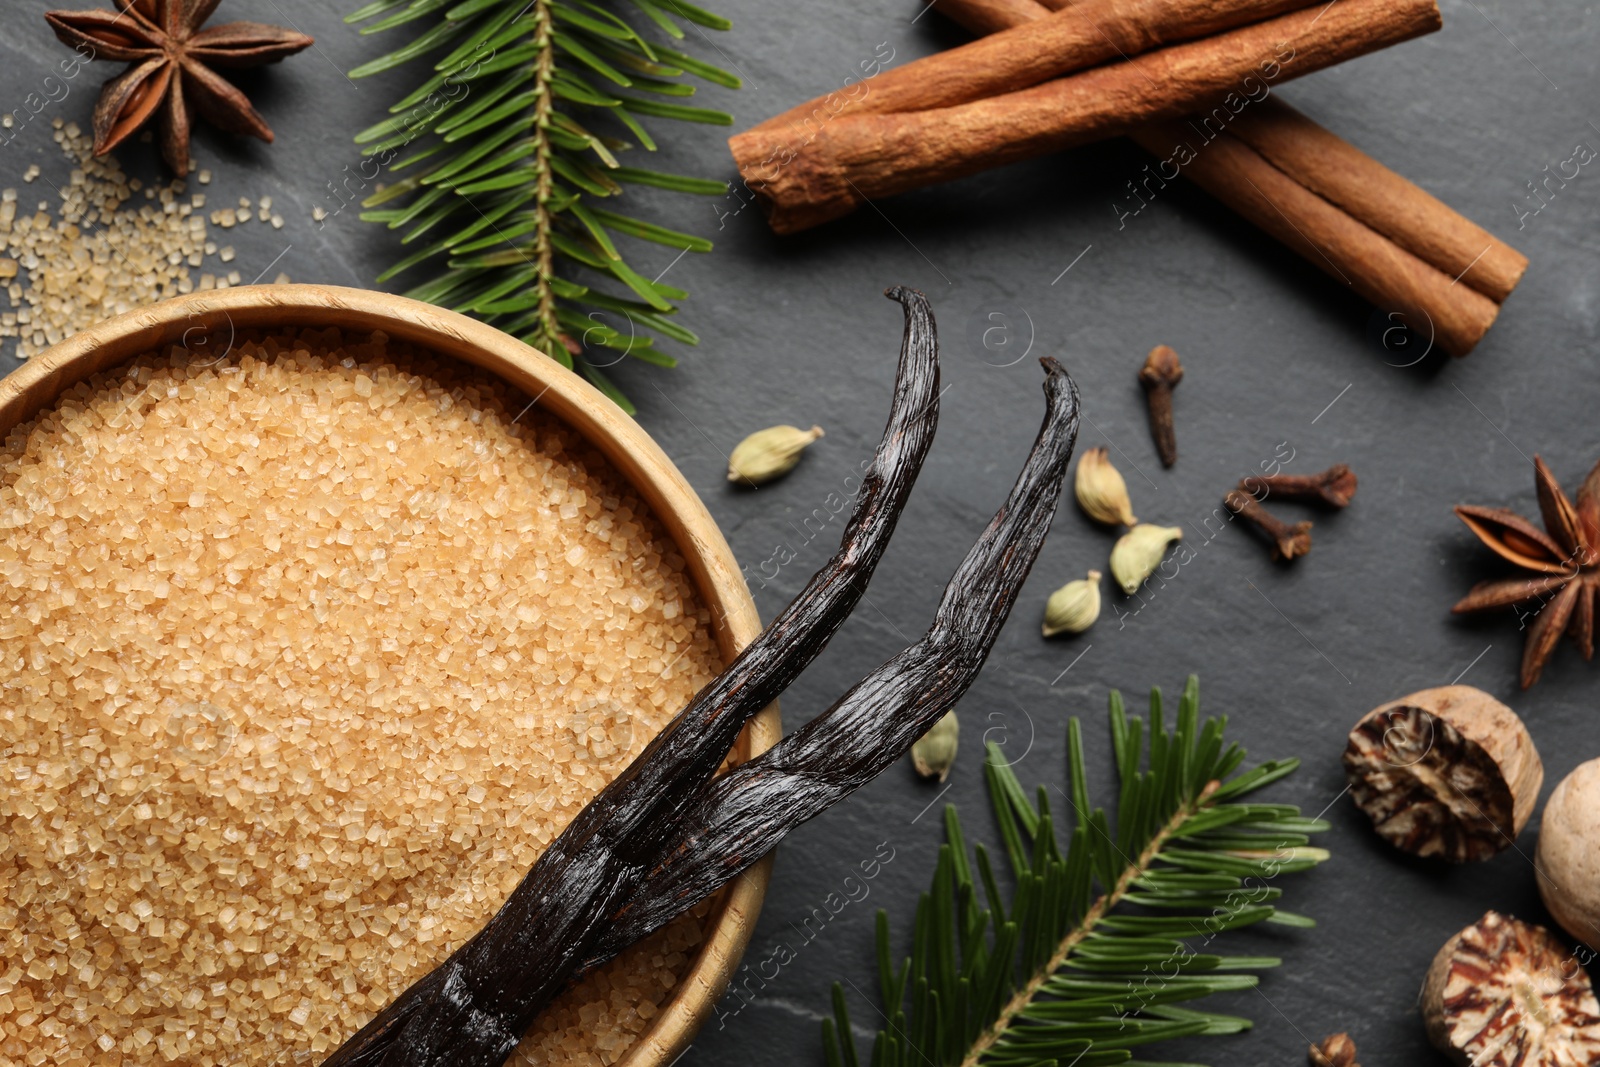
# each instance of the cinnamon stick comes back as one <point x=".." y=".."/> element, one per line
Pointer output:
<point x="981" y="17"/>
<point x="857" y="157"/>
<point x="1453" y="316"/>
<point x="1034" y="49"/>
<point x="1379" y="198"/>
<point x="1385" y="215"/>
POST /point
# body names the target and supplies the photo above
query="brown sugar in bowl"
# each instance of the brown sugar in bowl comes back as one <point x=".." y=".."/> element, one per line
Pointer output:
<point x="207" y="322"/>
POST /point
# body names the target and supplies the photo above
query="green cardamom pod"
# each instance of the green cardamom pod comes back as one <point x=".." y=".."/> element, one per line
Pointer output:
<point x="935" y="752"/>
<point x="1138" y="553"/>
<point x="1074" y="607"/>
<point x="770" y="453"/>
<point x="1101" y="492"/>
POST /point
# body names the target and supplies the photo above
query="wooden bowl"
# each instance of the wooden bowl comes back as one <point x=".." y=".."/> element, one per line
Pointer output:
<point x="205" y="321"/>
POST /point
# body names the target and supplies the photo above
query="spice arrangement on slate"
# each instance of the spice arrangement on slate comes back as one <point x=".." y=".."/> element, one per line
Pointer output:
<point x="500" y="157"/>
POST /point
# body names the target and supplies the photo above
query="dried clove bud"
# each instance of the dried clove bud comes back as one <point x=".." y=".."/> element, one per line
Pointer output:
<point x="1101" y="492"/>
<point x="1332" y="488"/>
<point x="1448" y="772"/>
<point x="935" y="752"/>
<point x="770" y="453"/>
<point x="1159" y="375"/>
<point x="1287" y="542"/>
<point x="1074" y="607"/>
<point x="1335" y="1051"/>
<point x="1569" y="852"/>
<point x="1138" y="553"/>
<point x="1504" y="993"/>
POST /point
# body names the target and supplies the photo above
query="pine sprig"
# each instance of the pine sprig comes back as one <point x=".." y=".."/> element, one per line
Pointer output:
<point x="505" y="152"/>
<point x="1101" y="948"/>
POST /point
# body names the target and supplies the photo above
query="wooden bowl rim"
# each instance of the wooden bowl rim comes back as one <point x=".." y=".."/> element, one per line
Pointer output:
<point x="41" y="380"/>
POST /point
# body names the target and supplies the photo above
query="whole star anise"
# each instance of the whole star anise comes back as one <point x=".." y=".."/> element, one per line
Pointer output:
<point x="1560" y="565"/>
<point x="170" y="59"/>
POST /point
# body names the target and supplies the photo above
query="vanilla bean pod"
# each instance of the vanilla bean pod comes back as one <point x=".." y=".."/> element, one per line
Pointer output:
<point x="742" y="815"/>
<point x="474" y="1008"/>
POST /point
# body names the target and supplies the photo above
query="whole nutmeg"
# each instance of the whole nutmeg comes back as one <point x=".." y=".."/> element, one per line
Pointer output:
<point x="1504" y="993"/>
<point x="1569" y="853"/>
<point x="1449" y="773"/>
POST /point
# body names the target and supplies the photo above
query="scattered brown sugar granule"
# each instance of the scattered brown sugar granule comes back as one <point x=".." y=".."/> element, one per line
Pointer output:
<point x="106" y="251"/>
<point x="305" y="655"/>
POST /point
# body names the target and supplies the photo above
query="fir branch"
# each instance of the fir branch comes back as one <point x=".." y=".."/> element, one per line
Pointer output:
<point x="548" y="335"/>
<point x="1091" y="955"/>
<point x="505" y="150"/>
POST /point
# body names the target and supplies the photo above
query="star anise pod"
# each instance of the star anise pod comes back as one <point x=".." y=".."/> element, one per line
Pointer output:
<point x="169" y="59"/>
<point x="1559" y="565"/>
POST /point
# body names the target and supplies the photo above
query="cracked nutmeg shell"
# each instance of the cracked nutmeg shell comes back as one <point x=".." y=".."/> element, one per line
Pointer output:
<point x="1569" y="853"/>
<point x="1449" y="773"/>
<point x="1335" y="1051"/>
<point x="1504" y="993"/>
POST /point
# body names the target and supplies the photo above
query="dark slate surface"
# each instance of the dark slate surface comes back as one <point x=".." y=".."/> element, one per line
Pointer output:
<point x="1279" y="362"/>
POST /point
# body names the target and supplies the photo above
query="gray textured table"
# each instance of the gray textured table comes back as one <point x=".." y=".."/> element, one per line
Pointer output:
<point x="1278" y="360"/>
